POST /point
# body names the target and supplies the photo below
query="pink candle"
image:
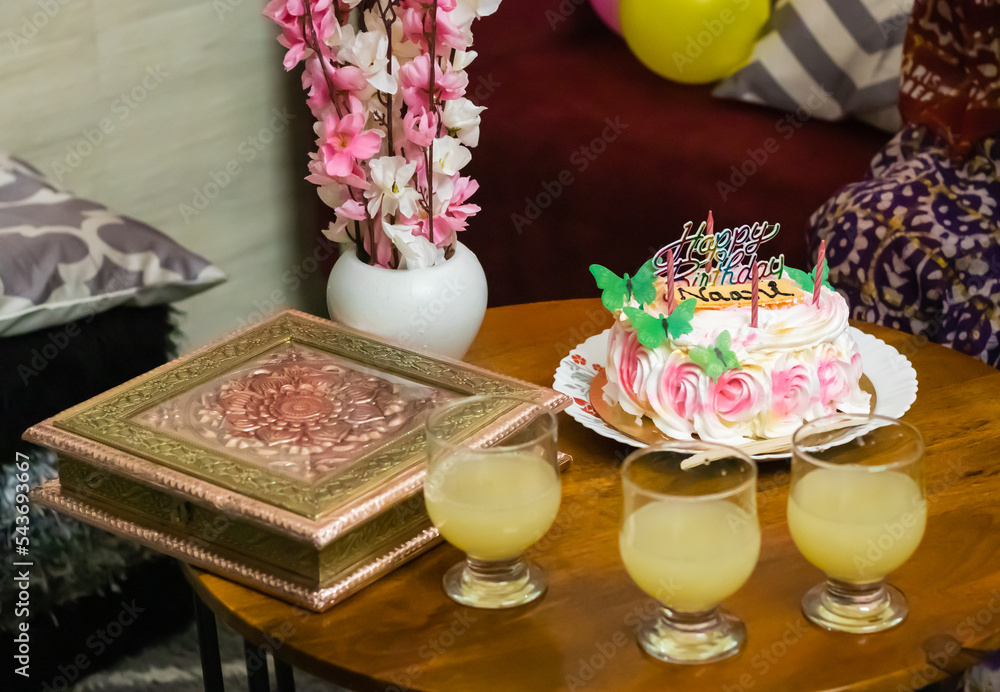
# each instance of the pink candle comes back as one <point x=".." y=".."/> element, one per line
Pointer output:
<point x="820" y="262"/>
<point x="753" y="295"/>
<point x="709" y="229"/>
<point x="670" y="281"/>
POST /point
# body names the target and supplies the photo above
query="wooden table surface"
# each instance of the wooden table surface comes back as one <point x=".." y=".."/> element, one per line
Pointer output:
<point x="403" y="633"/>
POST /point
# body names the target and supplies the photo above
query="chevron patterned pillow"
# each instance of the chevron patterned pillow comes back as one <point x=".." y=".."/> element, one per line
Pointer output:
<point x="828" y="59"/>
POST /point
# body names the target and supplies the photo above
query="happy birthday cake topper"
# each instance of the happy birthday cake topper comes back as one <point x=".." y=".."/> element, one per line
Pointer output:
<point x="706" y="257"/>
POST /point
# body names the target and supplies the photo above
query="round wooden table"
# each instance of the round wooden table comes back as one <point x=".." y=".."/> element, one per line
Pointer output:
<point x="403" y="633"/>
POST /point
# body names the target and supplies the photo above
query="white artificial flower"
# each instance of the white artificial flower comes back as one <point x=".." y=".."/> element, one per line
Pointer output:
<point x="450" y="156"/>
<point x="337" y="231"/>
<point x="481" y="8"/>
<point x="390" y="176"/>
<point x="461" y="117"/>
<point x="462" y="59"/>
<point x="333" y="195"/>
<point x="444" y="189"/>
<point x="339" y="35"/>
<point x="467" y="11"/>
<point x="402" y="49"/>
<point x="367" y="51"/>
<point x="416" y="251"/>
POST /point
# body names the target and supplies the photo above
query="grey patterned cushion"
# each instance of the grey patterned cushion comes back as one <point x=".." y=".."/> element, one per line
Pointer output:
<point x="63" y="258"/>
<point x="828" y="59"/>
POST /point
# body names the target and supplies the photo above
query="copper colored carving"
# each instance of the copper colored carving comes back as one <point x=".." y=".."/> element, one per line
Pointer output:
<point x="302" y="405"/>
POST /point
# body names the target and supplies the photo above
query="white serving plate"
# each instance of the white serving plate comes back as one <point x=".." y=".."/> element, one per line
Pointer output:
<point x="892" y="376"/>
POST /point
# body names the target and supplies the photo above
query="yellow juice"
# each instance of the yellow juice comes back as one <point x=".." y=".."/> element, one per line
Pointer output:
<point x="493" y="506"/>
<point x="690" y="556"/>
<point x="856" y="525"/>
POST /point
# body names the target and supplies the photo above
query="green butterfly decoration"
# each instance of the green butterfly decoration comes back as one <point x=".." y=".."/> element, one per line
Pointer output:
<point x="807" y="281"/>
<point x="653" y="331"/>
<point x="717" y="360"/>
<point x="618" y="291"/>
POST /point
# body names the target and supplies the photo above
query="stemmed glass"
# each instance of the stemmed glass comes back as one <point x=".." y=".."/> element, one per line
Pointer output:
<point x="690" y="538"/>
<point x="493" y="502"/>
<point x="857" y="511"/>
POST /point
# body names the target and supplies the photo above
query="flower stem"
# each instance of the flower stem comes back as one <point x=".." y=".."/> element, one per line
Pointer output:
<point x="388" y="14"/>
<point x="330" y="89"/>
<point x="431" y="46"/>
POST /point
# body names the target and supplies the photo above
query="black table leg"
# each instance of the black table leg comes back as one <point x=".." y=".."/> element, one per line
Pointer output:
<point x="283" y="674"/>
<point x="208" y="647"/>
<point x="256" y="668"/>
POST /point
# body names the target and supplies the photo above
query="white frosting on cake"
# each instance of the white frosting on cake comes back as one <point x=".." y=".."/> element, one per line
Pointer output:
<point x="800" y="363"/>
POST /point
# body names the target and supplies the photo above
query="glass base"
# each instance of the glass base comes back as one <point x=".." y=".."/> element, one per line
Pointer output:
<point x="500" y="584"/>
<point x="692" y="638"/>
<point x="856" y="608"/>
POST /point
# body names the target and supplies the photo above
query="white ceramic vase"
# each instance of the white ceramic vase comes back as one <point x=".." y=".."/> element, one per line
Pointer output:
<point x="437" y="309"/>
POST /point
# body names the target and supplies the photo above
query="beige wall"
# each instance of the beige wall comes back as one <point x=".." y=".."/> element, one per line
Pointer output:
<point x="183" y="89"/>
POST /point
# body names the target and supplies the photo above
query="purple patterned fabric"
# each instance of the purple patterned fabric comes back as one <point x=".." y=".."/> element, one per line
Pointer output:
<point x="914" y="246"/>
<point x="63" y="258"/>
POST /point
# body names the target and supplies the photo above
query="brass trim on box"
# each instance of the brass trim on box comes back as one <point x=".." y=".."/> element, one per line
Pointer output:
<point x="354" y="492"/>
<point x="51" y="495"/>
<point x="210" y="527"/>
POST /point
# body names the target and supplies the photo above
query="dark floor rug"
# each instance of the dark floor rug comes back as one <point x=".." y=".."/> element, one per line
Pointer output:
<point x="173" y="665"/>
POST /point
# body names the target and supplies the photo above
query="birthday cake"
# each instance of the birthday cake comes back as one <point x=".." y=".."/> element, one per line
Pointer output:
<point x="710" y="342"/>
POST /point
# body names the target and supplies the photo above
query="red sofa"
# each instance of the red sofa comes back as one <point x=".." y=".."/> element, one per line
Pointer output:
<point x="586" y="156"/>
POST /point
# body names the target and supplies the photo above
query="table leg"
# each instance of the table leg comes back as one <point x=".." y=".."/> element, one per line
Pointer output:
<point x="283" y="674"/>
<point x="256" y="668"/>
<point x="208" y="647"/>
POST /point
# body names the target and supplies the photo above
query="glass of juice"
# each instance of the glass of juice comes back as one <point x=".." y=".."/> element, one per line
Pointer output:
<point x="690" y="539"/>
<point x="491" y="499"/>
<point x="857" y="511"/>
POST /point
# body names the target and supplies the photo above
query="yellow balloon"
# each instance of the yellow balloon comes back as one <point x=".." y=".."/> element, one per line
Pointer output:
<point x="693" y="41"/>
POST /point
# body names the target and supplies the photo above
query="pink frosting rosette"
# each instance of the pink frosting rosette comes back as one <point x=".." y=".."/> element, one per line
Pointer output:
<point x="626" y="369"/>
<point x="791" y="391"/>
<point x="834" y="381"/>
<point x="675" y="398"/>
<point x="737" y="395"/>
<point x="733" y="403"/>
<point x="627" y="360"/>
<point x="793" y="397"/>
<point x="838" y="382"/>
<point x="856" y="368"/>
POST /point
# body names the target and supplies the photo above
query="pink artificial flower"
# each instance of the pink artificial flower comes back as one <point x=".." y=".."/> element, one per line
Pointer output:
<point x="317" y="77"/>
<point x="383" y="245"/>
<point x="343" y="141"/>
<point x="736" y="396"/>
<point x="349" y="78"/>
<point x="357" y="178"/>
<point x="462" y="189"/>
<point x="442" y="234"/>
<point x="834" y="384"/>
<point x="420" y="127"/>
<point x="426" y="5"/>
<point x="415" y="75"/>
<point x="314" y="80"/>
<point x="352" y="209"/>
<point x="790" y="391"/>
<point x="417" y="29"/>
<point x="290" y="15"/>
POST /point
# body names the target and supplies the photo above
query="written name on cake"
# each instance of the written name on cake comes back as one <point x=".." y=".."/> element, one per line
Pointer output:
<point x="708" y="257"/>
<point x="771" y="293"/>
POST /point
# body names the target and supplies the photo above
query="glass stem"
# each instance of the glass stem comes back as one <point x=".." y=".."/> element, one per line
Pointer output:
<point x="843" y="597"/>
<point x="497" y="571"/>
<point x="692" y="623"/>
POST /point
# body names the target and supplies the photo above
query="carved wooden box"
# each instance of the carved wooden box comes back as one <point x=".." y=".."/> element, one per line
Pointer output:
<point x="289" y="456"/>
